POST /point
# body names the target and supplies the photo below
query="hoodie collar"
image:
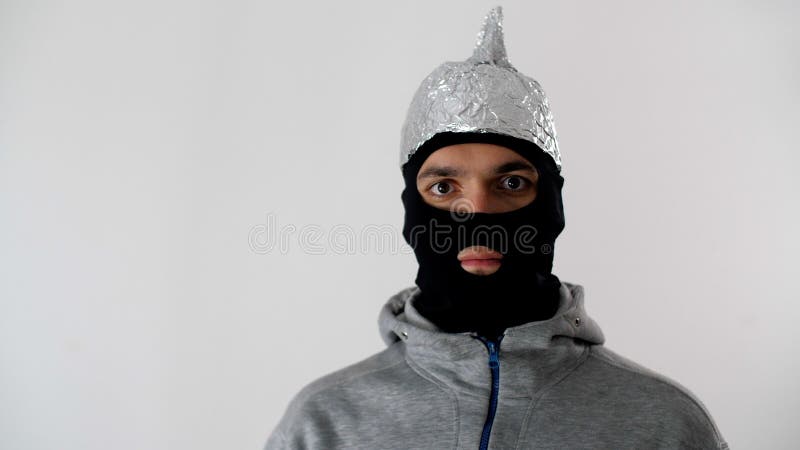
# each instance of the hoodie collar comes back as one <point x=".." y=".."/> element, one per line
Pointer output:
<point x="532" y="355"/>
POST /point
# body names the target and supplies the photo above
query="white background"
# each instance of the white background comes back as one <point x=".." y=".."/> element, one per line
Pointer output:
<point x="142" y="142"/>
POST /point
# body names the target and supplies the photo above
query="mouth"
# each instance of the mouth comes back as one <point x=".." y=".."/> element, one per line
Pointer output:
<point x="480" y="259"/>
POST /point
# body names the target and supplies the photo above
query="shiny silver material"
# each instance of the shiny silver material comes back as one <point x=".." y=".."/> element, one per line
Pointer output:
<point x="485" y="94"/>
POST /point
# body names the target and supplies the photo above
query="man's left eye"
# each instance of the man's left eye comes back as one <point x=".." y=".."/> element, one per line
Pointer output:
<point x="514" y="183"/>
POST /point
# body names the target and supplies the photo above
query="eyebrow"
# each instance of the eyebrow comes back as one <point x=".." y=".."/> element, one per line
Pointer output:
<point x="447" y="171"/>
<point x="440" y="171"/>
<point x="512" y="166"/>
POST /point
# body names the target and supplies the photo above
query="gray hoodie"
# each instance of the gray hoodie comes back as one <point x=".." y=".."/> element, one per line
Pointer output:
<point x="546" y="385"/>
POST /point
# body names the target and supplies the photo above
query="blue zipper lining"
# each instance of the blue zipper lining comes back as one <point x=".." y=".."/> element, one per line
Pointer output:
<point x="494" y="366"/>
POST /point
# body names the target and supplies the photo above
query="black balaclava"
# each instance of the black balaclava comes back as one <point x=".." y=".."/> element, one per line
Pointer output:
<point x="523" y="289"/>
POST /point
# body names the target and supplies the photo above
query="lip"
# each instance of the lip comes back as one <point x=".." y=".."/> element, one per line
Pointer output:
<point x="480" y="260"/>
<point x="479" y="255"/>
<point x="481" y="263"/>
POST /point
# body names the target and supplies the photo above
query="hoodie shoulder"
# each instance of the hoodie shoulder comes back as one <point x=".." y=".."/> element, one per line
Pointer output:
<point x="350" y="404"/>
<point x="307" y="407"/>
<point x="652" y="395"/>
<point x="326" y="386"/>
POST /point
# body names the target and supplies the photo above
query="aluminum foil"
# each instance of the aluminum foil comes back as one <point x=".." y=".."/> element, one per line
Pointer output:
<point x="484" y="93"/>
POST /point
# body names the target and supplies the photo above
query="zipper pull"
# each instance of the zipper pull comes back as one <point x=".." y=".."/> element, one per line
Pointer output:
<point x="494" y="359"/>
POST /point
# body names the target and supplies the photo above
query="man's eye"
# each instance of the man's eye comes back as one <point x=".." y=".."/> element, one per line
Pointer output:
<point x="441" y="188"/>
<point x="514" y="183"/>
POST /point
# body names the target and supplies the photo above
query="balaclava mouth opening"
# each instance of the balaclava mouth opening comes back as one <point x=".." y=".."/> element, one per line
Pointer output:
<point x="523" y="289"/>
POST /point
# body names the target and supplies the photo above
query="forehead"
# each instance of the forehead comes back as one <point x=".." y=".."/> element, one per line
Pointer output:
<point x="472" y="156"/>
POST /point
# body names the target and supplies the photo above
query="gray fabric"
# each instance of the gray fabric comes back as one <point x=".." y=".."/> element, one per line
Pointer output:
<point x="560" y="388"/>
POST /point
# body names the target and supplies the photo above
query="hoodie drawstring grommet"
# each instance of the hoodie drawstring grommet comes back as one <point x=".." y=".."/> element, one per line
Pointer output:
<point x="578" y="321"/>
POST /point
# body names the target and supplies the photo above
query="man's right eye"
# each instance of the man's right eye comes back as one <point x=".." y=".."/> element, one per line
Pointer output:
<point x="441" y="188"/>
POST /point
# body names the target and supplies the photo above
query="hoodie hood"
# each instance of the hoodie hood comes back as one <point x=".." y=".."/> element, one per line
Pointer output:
<point x="532" y="355"/>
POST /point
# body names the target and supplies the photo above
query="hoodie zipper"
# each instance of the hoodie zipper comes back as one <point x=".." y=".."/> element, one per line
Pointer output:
<point x="494" y="367"/>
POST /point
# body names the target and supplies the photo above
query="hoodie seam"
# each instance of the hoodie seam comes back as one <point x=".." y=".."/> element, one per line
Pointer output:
<point x="449" y="392"/>
<point x="672" y="384"/>
<point x="535" y="400"/>
<point x="338" y="383"/>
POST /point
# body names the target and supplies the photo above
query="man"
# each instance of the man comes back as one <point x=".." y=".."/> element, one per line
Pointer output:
<point x="489" y="349"/>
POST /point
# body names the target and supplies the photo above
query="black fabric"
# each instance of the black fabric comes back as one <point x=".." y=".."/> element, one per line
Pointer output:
<point x="523" y="289"/>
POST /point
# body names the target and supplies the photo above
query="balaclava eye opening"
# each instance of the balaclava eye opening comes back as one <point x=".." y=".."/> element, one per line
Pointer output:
<point x="524" y="288"/>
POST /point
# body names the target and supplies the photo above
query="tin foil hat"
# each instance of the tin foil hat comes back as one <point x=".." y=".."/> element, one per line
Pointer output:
<point x="484" y="94"/>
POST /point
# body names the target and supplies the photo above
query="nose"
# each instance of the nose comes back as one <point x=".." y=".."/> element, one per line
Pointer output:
<point x="478" y="200"/>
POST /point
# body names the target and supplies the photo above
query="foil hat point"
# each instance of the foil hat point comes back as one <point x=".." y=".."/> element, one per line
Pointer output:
<point x="490" y="47"/>
<point x="482" y="94"/>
